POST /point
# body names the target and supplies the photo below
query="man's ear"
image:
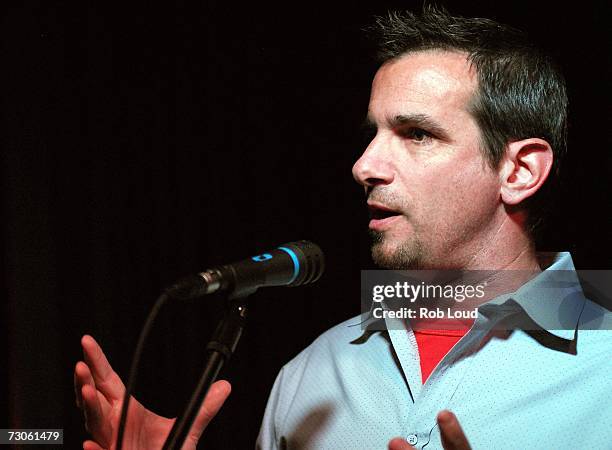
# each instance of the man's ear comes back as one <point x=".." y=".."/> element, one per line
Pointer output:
<point x="524" y="168"/>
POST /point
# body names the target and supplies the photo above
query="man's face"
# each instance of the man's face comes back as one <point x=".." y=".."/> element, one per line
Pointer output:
<point x="433" y="199"/>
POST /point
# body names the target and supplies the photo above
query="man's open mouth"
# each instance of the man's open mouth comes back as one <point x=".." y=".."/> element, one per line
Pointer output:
<point x="379" y="212"/>
<point x="381" y="217"/>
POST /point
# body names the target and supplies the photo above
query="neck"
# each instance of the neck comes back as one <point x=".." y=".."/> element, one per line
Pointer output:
<point x="506" y="246"/>
<point x="503" y="265"/>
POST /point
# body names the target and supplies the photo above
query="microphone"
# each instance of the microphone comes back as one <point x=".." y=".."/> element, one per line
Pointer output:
<point x="291" y="264"/>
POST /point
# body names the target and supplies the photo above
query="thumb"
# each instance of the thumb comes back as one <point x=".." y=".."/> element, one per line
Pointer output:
<point x="216" y="396"/>
<point x="399" y="444"/>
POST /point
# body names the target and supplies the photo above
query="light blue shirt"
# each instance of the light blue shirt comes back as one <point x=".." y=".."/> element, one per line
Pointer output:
<point x="355" y="389"/>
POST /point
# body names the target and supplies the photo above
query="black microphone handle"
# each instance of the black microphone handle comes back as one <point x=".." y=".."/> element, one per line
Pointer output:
<point x="291" y="264"/>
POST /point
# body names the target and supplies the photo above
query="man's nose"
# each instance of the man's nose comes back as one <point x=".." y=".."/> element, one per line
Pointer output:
<point x="374" y="167"/>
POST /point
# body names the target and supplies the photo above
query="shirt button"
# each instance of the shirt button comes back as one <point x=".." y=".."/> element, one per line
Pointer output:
<point x="412" y="439"/>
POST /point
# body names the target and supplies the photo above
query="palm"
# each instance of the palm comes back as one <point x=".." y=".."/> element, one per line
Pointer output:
<point x="145" y="429"/>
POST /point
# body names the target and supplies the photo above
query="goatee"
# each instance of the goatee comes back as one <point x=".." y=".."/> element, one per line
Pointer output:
<point x="407" y="256"/>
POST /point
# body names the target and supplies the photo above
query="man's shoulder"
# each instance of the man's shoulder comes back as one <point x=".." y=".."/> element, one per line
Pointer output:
<point x="339" y="343"/>
<point x="595" y="328"/>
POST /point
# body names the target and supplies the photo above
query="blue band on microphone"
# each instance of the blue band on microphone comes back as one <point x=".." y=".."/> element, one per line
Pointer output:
<point x="296" y="262"/>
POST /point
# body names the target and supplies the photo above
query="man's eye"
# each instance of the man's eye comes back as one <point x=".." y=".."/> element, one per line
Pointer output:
<point x="416" y="134"/>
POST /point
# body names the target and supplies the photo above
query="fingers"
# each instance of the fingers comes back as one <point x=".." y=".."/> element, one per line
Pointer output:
<point x="82" y="377"/>
<point x="216" y="396"/>
<point x="399" y="444"/>
<point x="77" y="387"/>
<point x="106" y="380"/>
<point x="88" y="399"/>
<point x="94" y="418"/>
<point x="91" y="445"/>
<point x="452" y="435"/>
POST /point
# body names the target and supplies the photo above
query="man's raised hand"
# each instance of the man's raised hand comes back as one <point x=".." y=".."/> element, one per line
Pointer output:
<point x="99" y="393"/>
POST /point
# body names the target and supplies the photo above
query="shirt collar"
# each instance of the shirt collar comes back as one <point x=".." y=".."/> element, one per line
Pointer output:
<point x="553" y="300"/>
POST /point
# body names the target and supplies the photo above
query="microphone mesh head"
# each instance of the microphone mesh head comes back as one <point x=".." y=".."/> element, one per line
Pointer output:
<point x="312" y="261"/>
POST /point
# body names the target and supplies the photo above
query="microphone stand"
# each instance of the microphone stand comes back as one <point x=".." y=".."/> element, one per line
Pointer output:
<point x="220" y="349"/>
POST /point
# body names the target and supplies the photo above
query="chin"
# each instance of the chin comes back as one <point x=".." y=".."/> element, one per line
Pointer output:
<point x="397" y="256"/>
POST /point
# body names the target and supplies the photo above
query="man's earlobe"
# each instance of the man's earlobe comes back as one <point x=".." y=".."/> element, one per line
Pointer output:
<point x="524" y="168"/>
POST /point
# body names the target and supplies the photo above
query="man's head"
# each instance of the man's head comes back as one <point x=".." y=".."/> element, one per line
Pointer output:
<point x="467" y="118"/>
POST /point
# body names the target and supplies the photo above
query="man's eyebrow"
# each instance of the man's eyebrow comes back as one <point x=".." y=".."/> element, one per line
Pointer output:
<point x="417" y="120"/>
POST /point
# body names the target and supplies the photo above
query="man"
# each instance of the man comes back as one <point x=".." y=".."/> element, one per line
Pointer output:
<point x="469" y="124"/>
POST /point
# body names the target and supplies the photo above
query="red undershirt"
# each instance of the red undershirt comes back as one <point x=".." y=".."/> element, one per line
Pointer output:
<point x="435" y="340"/>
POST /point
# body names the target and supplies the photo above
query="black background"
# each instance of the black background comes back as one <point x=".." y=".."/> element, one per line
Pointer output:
<point x="146" y="142"/>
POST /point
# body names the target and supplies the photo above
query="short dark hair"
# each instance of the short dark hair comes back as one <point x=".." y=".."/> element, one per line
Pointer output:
<point x="521" y="92"/>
